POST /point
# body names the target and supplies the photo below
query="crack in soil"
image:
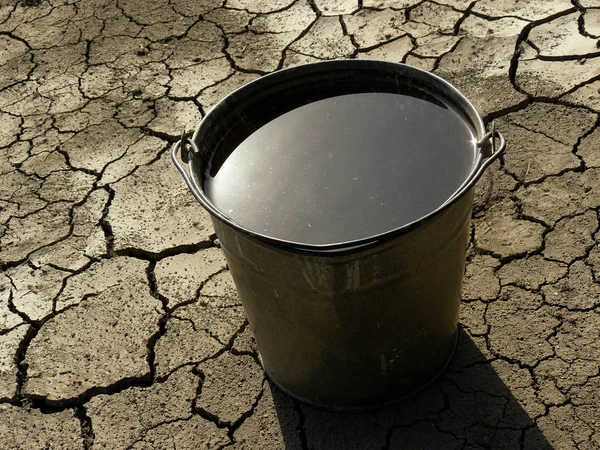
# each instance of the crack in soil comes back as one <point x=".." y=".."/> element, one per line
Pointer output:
<point x="87" y="432"/>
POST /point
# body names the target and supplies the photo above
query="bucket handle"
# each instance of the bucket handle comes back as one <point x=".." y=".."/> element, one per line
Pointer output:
<point x="496" y="152"/>
<point x="186" y="157"/>
<point x="483" y="161"/>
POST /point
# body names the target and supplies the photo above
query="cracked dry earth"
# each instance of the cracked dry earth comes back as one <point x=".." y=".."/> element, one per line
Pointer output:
<point x="120" y="327"/>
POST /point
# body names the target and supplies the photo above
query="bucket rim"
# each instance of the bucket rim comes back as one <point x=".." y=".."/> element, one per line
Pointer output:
<point x="449" y="92"/>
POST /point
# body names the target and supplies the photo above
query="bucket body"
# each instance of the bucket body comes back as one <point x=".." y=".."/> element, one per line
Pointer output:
<point x="350" y="325"/>
<point x="355" y="330"/>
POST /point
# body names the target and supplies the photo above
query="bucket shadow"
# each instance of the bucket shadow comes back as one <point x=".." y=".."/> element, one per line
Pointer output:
<point x="470" y="406"/>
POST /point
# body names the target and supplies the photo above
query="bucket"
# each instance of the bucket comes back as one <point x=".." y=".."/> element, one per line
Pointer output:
<point x="351" y="288"/>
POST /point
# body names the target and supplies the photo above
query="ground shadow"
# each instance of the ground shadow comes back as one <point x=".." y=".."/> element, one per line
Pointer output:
<point x="469" y="407"/>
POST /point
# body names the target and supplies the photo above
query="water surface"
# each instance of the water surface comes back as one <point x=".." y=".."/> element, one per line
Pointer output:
<point x="344" y="168"/>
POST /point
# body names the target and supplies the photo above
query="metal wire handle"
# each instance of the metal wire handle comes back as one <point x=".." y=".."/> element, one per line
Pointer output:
<point x="186" y="157"/>
<point x="496" y="152"/>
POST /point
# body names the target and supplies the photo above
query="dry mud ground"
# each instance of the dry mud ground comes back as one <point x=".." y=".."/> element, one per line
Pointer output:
<point x="119" y="324"/>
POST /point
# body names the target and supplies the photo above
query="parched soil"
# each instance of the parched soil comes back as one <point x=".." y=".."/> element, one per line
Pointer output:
<point x="120" y="326"/>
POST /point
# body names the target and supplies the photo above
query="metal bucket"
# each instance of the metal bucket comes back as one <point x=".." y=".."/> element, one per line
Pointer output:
<point x="356" y="324"/>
